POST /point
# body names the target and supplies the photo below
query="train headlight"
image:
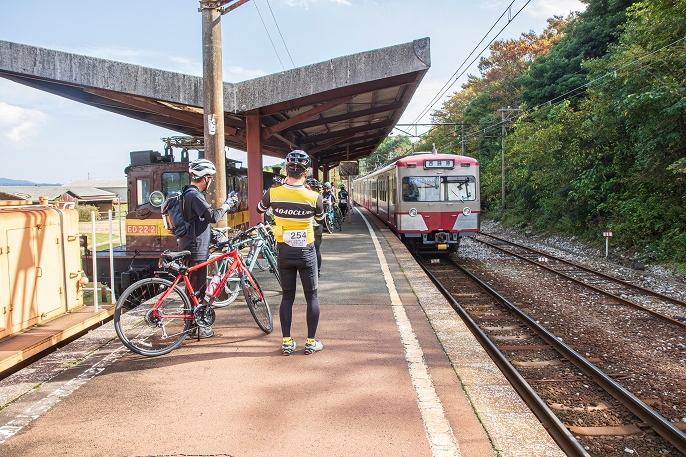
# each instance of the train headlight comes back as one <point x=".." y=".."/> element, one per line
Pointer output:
<point x="466" y="211"/>
<point x="156" y="199"/>
<point x="412" y="212"/>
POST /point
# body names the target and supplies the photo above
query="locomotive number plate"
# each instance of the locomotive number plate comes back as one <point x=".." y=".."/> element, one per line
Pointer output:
<point x="444" y="163"/>
<point x="147" y="229"/>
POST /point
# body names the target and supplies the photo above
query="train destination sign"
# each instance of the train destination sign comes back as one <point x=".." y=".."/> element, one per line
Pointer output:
<point x="440" y="163"/>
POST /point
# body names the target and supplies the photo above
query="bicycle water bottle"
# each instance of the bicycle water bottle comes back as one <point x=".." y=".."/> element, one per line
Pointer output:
<point x="212" y="286"/>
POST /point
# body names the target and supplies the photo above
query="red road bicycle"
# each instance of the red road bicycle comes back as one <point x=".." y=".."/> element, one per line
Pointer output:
<point x="154" y="315"/>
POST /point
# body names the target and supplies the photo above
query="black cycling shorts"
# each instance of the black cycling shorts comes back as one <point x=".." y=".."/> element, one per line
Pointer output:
<point x="298" y="260"/>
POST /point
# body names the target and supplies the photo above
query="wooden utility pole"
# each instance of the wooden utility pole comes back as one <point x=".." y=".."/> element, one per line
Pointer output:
<point x="213" y="94"/>
<point x="502" y="161"/>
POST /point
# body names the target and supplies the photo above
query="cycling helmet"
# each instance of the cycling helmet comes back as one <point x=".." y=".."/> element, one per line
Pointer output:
<point x="298" y="159"/>
<point x="342" y="186"/>
<point x="327" y="185"/>
<point x="277" y="179"/>
<point x="201" y="168"/>
<point x="311" y="182"/>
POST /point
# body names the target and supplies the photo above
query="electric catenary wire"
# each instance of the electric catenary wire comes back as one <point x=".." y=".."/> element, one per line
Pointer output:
<point x="270" y="37"/>
<point x="281" y="35"/>
<point x="457" y="76"/>
<point x="573" y="92"/>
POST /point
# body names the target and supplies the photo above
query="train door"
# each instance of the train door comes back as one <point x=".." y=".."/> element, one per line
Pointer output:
<point x="387" y="193"/>
<point x="374" y="204"/>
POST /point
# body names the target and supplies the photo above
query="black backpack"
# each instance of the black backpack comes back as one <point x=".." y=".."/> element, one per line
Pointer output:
<point x="172" y="214"/>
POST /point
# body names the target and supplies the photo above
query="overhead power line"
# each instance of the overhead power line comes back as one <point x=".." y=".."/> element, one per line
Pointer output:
<point x="457" y="76"/>
<point x="270" y="37"/>
<point x="279" y="29"/>
<point x="574" y="92"/>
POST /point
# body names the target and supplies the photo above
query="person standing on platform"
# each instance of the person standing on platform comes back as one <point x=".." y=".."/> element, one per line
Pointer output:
<point x="198" y="214"/>
<point x="295" y="208"/>
<point x="316" y="186"/>
<point x="343" y="201"/>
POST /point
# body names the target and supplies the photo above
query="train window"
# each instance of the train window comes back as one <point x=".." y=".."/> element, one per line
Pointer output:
<point x="438" y="188"/>
<point x="459" y="188"/>
<point x="143" y="190"/>
<point x="174" y="181"/>
<point x="421" y="189"/>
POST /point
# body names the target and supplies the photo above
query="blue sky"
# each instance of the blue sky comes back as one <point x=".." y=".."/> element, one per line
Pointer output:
<point x="45" y="138"/>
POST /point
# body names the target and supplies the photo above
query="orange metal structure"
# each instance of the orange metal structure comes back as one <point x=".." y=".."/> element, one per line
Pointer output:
<point x="40" y="265"/>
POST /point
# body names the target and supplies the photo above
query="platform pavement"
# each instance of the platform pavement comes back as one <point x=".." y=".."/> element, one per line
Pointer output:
<point x="383" y="385"/>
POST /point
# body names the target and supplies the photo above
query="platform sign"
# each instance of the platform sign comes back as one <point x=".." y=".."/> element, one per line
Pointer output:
<point x="607" y="236"/>
<point x="348" y="168"/>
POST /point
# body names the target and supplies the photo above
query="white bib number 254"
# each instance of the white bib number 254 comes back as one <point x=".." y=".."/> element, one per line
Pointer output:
<point x="295" y="238"/>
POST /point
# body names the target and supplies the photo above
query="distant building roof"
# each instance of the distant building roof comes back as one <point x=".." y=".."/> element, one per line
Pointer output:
<point x="90" y="193"/>
<point x="54" y="193"/>
<point x="33" y="192"/>
<point x="97" y="183"/>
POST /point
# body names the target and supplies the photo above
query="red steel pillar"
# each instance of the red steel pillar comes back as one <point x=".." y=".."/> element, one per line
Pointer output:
<point x="254" y="147"/>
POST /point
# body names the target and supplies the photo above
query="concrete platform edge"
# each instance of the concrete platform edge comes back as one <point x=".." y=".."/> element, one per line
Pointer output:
<point x="507" y="421"/>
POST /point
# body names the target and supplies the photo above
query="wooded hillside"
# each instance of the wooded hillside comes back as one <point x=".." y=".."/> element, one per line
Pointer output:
<point x="595" y="138"/>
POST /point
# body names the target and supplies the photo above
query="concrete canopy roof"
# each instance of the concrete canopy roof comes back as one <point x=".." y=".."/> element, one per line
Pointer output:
<point x="336" y="110"/>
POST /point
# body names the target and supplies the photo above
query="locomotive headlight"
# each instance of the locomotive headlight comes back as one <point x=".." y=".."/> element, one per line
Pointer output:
<point x="466" y="211"/>
<point x="156" y="199"/>
<point x="412" y="212"/>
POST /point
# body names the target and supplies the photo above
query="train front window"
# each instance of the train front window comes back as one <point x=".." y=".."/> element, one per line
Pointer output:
<point x="459" y="188"/>
<point x="438" y="188"/>
<point x="421" y="189"/>
<point x="143" y="191"/>
<point x="174" y="181"/>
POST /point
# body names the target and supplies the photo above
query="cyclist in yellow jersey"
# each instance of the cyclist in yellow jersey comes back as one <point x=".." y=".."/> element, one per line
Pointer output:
<point x="294" y="209"/>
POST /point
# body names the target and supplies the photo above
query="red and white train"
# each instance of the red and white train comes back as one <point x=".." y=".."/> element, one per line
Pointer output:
<point x="429" y="200"/>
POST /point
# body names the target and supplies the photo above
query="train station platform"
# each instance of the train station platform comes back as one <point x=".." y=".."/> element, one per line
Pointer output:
<point x="399" y="375"/>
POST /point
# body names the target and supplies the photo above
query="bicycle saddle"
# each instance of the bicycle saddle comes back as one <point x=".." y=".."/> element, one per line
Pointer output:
<point x="171" y="255"/>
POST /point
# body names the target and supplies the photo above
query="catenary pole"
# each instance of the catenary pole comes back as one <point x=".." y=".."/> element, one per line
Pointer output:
<point x="213" y="95"/>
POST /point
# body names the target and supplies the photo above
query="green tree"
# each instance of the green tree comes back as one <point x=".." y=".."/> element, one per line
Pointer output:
<point x="390" y="149"/>
<point x="559" y="72"/>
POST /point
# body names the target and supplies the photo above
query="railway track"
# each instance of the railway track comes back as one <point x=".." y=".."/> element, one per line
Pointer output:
<point x="586" y="410"/>
<point x="659" y="305"/>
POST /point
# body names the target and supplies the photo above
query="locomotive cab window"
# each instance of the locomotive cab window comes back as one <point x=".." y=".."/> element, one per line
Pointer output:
<point x="174" y="181"/>
<point x="142" y="191"/>
<point x="438" y="188"/>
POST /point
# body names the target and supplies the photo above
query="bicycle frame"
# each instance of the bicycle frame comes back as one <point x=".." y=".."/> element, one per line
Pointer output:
<point x="257" y="246"/>
<point x="237" y="263"/>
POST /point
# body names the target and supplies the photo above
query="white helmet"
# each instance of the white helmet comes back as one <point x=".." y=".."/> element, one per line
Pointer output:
<point x="201" y="168"/>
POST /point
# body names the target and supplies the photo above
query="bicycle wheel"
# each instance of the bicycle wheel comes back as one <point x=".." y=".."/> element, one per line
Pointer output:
<point x="273" y="263"/>
<point x="257" y="302"/>
<point x="144" y="333"/>
<point x="232" y="286"/>
<point x="328" y="223"/>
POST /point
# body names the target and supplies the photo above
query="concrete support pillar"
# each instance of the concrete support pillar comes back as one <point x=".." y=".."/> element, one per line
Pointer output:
<point x="315" y="168"/>
<point x="213" y="92"/>
<point x="254" y="147"/>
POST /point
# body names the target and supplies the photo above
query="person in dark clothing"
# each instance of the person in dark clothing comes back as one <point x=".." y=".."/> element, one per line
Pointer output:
<point x="343" y="200"/>
<point x="198" y="214"/>
<point x="295" y="207"/>
<point x="316" y="186"/>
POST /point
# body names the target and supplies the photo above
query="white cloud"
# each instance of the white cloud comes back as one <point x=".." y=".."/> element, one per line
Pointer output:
<point x="306" y="3"/>
<point x="17" y="123"/>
